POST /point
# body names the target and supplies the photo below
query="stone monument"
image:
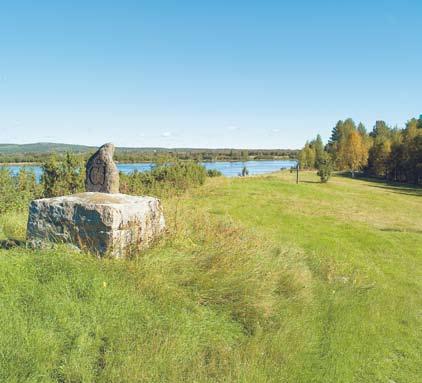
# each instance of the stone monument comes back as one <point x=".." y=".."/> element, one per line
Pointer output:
<point x="101" y="220"/>
<point x="101" y="171"/>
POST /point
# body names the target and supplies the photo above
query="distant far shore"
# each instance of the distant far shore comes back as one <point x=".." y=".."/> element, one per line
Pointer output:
<point x="149" y="162"/>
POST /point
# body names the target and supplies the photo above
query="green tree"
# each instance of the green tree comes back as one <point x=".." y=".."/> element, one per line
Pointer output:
<point x="325" y="167"/>
<point x="307" y="156"/>
<point x="319" y="148"/>
<point x="381" y="130"/>
<point x="412" y="151"/>
<point x="337" y="145"/>
<point x="379" y="158"/>
<point x="362" y="130"/>
<point x="335" y="133"/>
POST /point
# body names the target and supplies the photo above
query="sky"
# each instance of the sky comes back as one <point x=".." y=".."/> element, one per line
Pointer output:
<point x="238" y="74"/>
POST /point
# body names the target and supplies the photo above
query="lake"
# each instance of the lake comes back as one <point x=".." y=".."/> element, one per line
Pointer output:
<point x="229" y="169"/>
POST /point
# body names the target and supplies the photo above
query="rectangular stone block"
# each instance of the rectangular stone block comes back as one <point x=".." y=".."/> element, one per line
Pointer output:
<point x="113" y="225"/>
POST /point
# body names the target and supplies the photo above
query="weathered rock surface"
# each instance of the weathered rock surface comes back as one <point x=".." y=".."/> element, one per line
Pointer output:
<point x="102" y="174"/>
<point x="106" y="224"/>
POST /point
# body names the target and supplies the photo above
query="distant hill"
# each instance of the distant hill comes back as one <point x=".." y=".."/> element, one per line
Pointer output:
<point x="43" y="147"/>
<point x="49" y="147"/>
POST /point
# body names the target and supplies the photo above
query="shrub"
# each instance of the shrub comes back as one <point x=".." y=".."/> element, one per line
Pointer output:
<point x="214" y="173"/>
<point x="63" y="177"/>
<point x="164" y="180"/>
<point x="17" y="190"/>
<point x="13" y="225"/>
<point x="325" y="167"/>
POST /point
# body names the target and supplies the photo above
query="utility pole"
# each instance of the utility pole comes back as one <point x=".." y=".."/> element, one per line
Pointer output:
<point x="297" y="172"/>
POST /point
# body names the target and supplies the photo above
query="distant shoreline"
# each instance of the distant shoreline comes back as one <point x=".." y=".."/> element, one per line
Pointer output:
<point x="147" y="162"/>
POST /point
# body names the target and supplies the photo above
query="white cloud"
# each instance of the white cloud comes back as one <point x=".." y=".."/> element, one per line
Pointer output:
<point x="275" y="130"/>
<point x="166" y="134"/>
<point x="232" y="128"/>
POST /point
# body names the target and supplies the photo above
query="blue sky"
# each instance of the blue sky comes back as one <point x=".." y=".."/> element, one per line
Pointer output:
<point x="257" y="74"/>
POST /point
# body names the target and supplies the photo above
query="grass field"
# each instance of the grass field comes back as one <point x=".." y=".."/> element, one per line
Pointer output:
<point x="257" y="280"/>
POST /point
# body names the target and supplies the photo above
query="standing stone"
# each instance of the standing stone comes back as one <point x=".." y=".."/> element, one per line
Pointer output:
<point x="102" y="174"/>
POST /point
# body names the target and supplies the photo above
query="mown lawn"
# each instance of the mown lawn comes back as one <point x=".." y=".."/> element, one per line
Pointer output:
<point x="257" y="280"/>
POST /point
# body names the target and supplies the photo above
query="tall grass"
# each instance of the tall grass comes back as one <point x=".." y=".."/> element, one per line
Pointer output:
<point x="183" y="311"/>
<point x="256" y="280"/>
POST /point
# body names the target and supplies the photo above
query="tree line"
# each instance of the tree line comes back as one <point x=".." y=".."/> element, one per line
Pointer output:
<point x="391" y="153"/>
<point x="139" y="155"/>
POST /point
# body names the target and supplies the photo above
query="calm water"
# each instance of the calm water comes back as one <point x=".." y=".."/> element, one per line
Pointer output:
<point x="229" y="169"/>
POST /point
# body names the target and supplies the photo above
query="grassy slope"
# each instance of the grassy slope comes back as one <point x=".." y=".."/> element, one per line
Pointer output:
<point x="258" y="280"/>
